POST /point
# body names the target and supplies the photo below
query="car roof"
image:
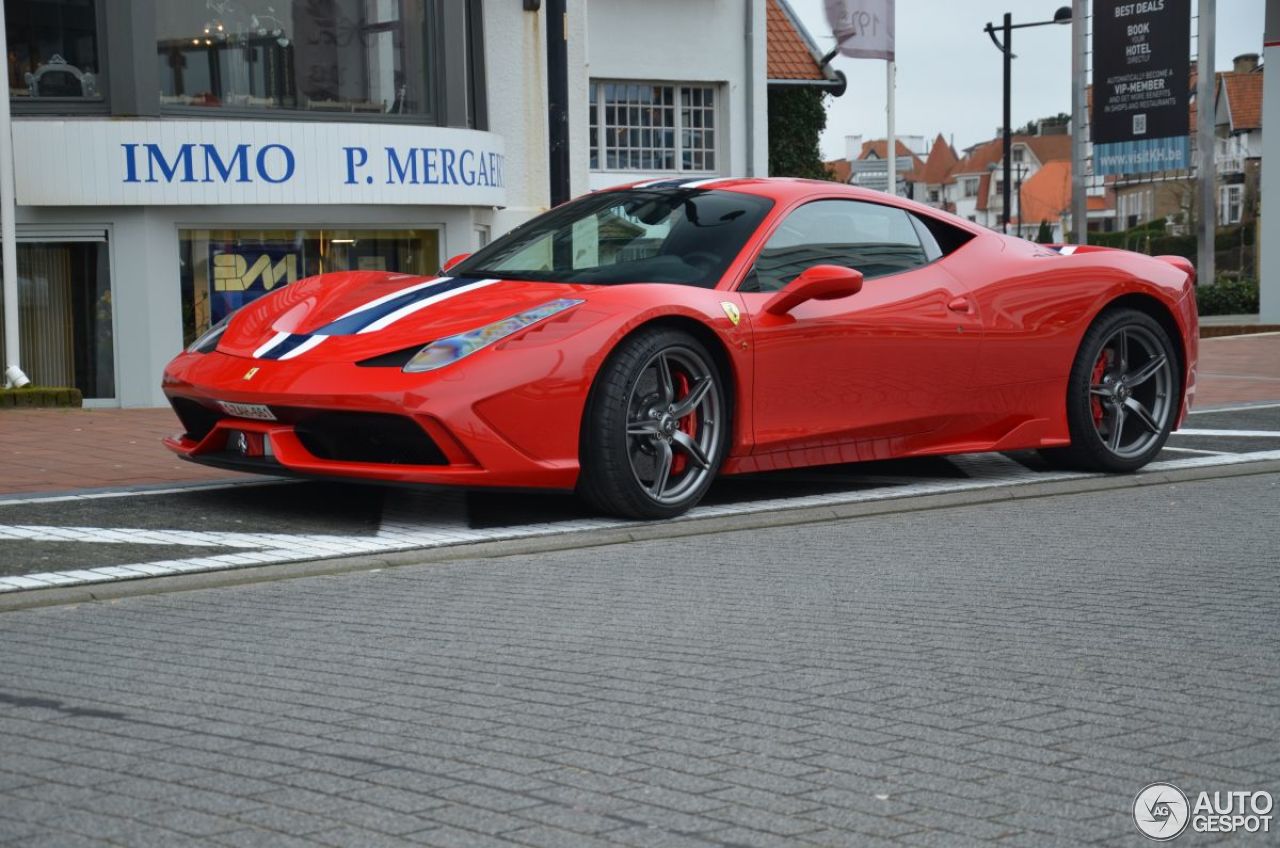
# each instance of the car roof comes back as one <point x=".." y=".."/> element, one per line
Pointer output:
<point x="785" y="190"/>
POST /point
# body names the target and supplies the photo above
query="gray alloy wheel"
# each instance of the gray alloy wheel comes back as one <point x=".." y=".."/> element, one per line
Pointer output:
<point x="673" y="413"/>
<point x="1123" y="394"/>
<point x="1134" y="392"/>
<point x="655" y="428"/>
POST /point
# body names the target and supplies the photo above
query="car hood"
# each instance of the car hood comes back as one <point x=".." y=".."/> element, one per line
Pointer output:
<point x="352" y="316"/>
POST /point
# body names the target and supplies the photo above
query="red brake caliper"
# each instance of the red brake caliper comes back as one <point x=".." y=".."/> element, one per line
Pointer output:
<point x="1095" y="405"/>
<point x="688" y="424"/>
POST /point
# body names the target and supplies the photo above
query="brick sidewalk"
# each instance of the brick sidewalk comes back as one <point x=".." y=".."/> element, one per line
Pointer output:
<point x="1239" y="369"/>
<point x="45" y="450"/>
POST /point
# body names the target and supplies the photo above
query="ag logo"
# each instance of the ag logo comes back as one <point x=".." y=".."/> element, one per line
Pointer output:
<point x="731" y="311"/>
<point x="1161" y="811"/>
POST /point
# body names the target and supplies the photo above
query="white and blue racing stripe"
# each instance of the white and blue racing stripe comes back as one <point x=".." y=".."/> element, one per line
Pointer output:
<point x="678" y="183"/>
<point x="370" y="317"/>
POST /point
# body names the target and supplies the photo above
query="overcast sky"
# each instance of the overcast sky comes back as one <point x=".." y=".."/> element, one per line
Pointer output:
<point x="949" y="72"/>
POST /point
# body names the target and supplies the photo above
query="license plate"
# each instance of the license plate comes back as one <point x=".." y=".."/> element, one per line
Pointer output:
<point x="256" y="411"/>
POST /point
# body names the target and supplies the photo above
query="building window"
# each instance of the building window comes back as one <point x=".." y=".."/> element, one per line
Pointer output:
<point x="53" y="49"/>
<point x="65" y="316"/>
<point x="1230" y="204"/>
<point x="970" y="186"/>
<point x="222" y="270"/>
<point x="642" y="127"/>
<point x="1016" y="154"/>
<point x="1135" y="207"/>
<point x="362" y="58"/>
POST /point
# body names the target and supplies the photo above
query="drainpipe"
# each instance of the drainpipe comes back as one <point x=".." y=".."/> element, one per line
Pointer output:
<point x="13" y="376"/>
<point x="558" y="99"/>
<point x="749" y="88"/>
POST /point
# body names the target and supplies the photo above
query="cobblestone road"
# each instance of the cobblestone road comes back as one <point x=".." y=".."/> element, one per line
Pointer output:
<point x="1009" y="673"/>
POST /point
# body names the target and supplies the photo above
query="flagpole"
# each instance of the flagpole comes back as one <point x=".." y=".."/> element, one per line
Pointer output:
<point x="891" y="71"/>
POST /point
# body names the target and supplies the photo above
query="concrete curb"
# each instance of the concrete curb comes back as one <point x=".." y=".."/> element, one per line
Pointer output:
<point x="58" y="595"/>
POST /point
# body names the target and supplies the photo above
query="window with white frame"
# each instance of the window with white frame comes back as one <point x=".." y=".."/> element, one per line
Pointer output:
<point x="971" y="186"/>
<point x="649" y="127"/>
<point x="1230" y="204"/>
<point x="1134" y="208"/>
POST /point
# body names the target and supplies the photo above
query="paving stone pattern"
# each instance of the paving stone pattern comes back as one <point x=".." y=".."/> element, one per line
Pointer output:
<point x="1006" y="674"/>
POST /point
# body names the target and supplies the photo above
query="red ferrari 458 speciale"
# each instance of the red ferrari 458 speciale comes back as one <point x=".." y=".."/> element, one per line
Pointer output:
<point x="635" y="343"/>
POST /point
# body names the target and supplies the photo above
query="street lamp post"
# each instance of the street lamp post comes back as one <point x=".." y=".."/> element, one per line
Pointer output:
<point x="1062" y="16"/>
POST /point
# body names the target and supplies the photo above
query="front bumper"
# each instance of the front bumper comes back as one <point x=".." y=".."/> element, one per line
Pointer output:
<point x="470" y="427"/>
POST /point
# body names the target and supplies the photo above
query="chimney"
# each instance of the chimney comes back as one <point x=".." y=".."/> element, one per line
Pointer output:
<point x="852" y="147"/>
<point x="1245" y="63"/>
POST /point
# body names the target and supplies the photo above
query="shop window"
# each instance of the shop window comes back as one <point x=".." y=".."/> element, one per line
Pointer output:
<point x="65" y="316"/>
<point x="360" y="58"/>
<point x="222" y="270"/>
<point x="643" y="127"/>
<point x="53" y="50"/>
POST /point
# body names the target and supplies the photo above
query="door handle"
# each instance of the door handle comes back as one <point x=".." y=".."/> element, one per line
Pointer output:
<point x="960" y="304"/>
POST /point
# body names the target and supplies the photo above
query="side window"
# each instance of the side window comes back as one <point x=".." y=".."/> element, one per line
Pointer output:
<point x="876" y="240"/>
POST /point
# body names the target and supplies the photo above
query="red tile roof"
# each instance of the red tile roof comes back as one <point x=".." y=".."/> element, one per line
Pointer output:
<point x="1244" y="99"/>
<point x="789" y="54"/>
<point x="984" y="191"/>
<point x="937" y="168"/>
<point x="839" y="170"/>
<point x="1046" y="194"/>
<point x="1046" y="148"/>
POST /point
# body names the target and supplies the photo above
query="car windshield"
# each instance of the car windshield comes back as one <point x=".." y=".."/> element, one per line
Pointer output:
<point x="643" y="235"/>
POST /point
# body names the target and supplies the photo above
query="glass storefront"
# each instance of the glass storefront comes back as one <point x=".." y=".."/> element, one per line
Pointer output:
<point x="53" y="49"/>
<point x="224" y="269"/>
<point x="367" y="57"/>
<point x="65" y="316"/>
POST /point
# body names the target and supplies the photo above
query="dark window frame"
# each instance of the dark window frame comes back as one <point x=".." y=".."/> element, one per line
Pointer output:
<point x="458" y="94"/>
<point x="27" y="106"/>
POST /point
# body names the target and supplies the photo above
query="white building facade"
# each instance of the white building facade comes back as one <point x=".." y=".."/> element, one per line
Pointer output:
<point x="174" y="162"/>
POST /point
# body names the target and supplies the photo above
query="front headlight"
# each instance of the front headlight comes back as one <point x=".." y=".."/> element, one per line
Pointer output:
<point x="207" y="341"/>
<point x="450" y="349"/>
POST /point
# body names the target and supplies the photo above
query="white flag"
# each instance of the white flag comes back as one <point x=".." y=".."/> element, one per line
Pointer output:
<point x="863" y="28"/>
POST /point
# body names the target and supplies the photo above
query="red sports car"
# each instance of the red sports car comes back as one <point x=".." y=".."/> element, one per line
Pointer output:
<point x="637" y="342"/>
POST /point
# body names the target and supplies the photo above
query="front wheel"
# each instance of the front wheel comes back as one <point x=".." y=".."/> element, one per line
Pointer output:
<point x="655" y="428"/>
<point x="1122" y="395"/>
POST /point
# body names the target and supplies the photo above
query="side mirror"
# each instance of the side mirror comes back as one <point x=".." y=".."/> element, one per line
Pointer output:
<point x="821" y="282"/>
<point x="454" y="260"/>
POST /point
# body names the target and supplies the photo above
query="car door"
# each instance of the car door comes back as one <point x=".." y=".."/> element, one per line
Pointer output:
<point x="893" y="361"/>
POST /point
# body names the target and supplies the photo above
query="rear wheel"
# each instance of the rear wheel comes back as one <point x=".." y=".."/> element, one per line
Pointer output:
<point x="1122" y="395"/>
<point x="655" y="427"/>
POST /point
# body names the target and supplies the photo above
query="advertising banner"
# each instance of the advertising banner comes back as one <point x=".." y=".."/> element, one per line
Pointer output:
<point x="1141" y="85"/>
<point x="863" y="28"/>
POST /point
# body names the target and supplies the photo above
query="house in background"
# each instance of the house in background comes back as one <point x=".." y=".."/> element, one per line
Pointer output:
<point x="931" y="183"/>
<point x="866" y="162"/>
<point x="1238" y="151"/>
<point x="1172" y="195"/>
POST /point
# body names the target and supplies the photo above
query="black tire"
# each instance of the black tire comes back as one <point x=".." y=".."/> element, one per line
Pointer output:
<point x="627" y="394"/>
<point x="1101" y="387"/>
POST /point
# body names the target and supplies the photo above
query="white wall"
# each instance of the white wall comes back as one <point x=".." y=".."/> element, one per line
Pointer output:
<point x="1269" y="222"/>
<point x="687" y="41"/>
